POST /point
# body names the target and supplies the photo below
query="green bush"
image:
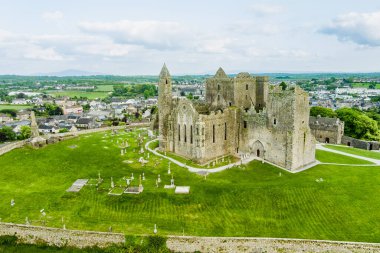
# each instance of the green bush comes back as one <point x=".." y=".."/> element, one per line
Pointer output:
<point x="8" y="240"/>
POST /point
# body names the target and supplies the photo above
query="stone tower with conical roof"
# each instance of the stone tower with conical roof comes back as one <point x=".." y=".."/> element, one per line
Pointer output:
<point x="164" y="106"/>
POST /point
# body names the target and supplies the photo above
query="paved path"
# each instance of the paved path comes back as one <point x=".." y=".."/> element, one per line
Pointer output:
<point x="375" y="161"/>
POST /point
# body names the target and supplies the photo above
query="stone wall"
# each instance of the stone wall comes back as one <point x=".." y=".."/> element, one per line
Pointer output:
<point x="327" y="130"/>
<point x="269" y="245"/>
<point x="56" y="137"/>
<point x="6" y="148"/>
<point x="61" y="237"/>
<point x="362" y="144"/>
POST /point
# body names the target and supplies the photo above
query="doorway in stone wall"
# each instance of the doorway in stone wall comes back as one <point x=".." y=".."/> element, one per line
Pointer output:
<point x="257" y="149"/>
<point x="258" y="153"/>
<point x="327" y="140"/>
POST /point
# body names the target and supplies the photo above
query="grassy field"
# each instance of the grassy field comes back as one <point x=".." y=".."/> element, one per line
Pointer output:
<point x="364" y="85"/>
<point x="107" y="88"/>
<point x="329" y="157"/>
<point x="355" y="151"/>
<point x="15" y="107"/>
<point x="256" y="200"/>
<point x="88" y="94"/>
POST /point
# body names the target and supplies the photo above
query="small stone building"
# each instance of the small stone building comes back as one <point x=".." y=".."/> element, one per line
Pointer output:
<point x="241" y="115"/>
<point x="327" y="130"/>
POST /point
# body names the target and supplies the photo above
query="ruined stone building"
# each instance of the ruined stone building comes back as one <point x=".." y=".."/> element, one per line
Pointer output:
<point x="240" y="115"/>
<point x="327" y="130"/>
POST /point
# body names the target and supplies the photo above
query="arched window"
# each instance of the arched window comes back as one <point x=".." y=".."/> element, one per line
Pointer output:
<point x="213" y="133"/>
<point x="184" y="129"/>
<point x="225" y="131"/>
<point x="166" y="81"/>
<point x="274" y="121"/>
<point x="246" y="87"/>
<point x="179" y="132"/>
<point x="191" y="134"/>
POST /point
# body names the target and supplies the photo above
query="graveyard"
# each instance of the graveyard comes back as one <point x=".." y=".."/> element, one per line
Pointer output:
<point x="108" y="182"/>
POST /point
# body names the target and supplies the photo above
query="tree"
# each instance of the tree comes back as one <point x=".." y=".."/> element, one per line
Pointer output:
<point x="358" y="125"/>
<point x="11" y="112"/>
<point x="63" y="130"/>
<point x="283" y="85"/>
<point x="190" y="96"/>
<point x="86" y="107"/>
<point x="7" y="134"/>
<point x="25" y="132"/>
<point x="322" y="111"/>
<point x="20" y="95"/>
<point x="372" y="86"/>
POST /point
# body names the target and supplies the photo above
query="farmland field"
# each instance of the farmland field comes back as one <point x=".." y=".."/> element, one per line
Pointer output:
<point x="15" y="107"/>
<point x="254" y="200"/>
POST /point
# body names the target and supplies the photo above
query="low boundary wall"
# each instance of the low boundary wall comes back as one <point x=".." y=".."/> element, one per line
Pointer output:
<point x="269" y="245"/>
<point x="18" y="144"/>
<point x="80" y="239"/>
<point x="61" y="237"/>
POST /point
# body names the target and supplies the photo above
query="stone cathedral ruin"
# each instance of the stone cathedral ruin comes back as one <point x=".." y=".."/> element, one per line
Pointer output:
<point x="240" y="115"/>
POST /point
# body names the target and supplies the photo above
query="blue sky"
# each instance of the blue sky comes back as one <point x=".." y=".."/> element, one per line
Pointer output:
<point x="192" y="37"/>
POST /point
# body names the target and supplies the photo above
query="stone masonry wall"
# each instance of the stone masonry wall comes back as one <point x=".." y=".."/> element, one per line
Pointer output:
<point x="268" y="245"/>
<point x="61" y="237"/>
<point x="11" y="146"/>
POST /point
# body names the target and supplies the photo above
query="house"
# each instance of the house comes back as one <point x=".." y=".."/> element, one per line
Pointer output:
<point x="85" y="123"/>
<point x="23" y="115"/>
<point x="76" y="109"/>
<point x="5" y="118"/>
<point x="20" y="101"/>
<point x="46" y="129"/>
<point x="16" y="125"/>
<point x="73" y="118"/>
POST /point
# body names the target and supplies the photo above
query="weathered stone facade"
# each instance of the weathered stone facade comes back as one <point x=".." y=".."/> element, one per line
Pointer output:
<point x="241" y="115"/>
<point x="327" y="130"/>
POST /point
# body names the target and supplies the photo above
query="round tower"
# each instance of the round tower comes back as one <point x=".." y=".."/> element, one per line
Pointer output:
<point x="164" y="106"/>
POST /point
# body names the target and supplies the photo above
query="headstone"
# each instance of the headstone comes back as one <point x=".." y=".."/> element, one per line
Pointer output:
<point x="13" y="202"/>
<point x="148" y="156"/>
<point x="159" y="179"/>
<point x="27" y="221"/>
<point x="112" y="183"/>
<point x="64" y="226"/>
<point x="172" y="181"/>
<point x="128" y="181"/>
<point x="132" y="177"/>
<point x="155" y="229"/>
<point x="143" y="176"/>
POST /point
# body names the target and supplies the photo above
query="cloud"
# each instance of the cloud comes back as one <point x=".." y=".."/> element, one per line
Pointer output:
<point x="266" y="9"/>
<point x="360" y="28"/>
<point x="253" y="28"/>
<point x="52" y="15"/>
<point x="46" y="54"/>
<point x="149" y="34"/>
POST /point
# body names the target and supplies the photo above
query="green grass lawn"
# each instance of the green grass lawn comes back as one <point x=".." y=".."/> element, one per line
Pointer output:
<point x="329" y="157"/>
<point x="364" y="85"/>
<point x="355" y="151"/>
<point x="15" y="107"/>
<point x="107" y="88"/>
<point x="256" y="200"/>
<point x="88" y="94"/>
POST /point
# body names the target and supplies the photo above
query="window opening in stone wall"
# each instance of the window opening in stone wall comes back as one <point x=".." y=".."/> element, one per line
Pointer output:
<point x="191" y="134"/>
<point x="213" y="133"/>
<point x="218" y="97"/>
<point x="230" y="103"/>
<point x="203" y="131"/>
<point x="245" y="124"/>
<point x="166" y="81"/>
<point x="274" y="121"/>
<point x="246" y="87"/>
<point x="184" y="129"/>
<point x="246" y="97"/>
<point x="218" y="86"/>
<point x="225" y="131"/>
<point x="179" y="132"/>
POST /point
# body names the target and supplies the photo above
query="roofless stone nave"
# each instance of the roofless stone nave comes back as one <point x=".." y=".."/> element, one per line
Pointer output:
<point x="241" y="115"/>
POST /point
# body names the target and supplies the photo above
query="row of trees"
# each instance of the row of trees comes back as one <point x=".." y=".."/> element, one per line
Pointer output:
<point x="135" y="90"/>
<point x="357" y="124"/>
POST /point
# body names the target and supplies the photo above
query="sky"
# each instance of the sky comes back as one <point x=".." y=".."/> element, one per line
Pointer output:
<point x="125" y="37"/>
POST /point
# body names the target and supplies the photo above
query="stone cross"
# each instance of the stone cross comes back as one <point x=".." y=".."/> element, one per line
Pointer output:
<point x="155" y="229"/>
<point x="172" y="181"/>
<point x="128" y="182"/>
